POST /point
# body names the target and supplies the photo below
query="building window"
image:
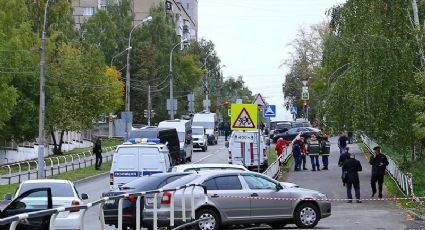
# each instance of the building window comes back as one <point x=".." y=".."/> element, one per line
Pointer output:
<point x="88" y="11"/>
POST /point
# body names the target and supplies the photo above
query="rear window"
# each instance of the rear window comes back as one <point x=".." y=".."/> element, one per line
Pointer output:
<point x="211" y="168"/>
<point x="182" y="181"/>
<point x="58" y="189"/>
<point x="153" y="182"/>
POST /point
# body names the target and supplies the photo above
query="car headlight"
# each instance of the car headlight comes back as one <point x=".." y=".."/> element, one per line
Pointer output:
<point x="322" y="195"/>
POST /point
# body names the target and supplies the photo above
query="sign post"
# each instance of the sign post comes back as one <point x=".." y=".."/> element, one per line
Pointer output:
<point x="262" y="104"/>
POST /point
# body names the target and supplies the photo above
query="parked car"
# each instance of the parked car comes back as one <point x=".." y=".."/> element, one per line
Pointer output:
<point x="282" y="127"/>
<point x="208" y="167"/>
<point x="290" y="135"/>
<point x="64" y="194"/>
<point x="200" y="138"/>
<point x="236" y="197"/>
<point x="147" y="183"/>
<point x="32" y="200"/>
<point x="272" y="127"/>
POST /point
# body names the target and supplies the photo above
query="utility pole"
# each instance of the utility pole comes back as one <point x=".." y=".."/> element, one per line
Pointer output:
<point x="206" y="104"/>
<point x="41" y="114"/>
<point x="149" y="105"/>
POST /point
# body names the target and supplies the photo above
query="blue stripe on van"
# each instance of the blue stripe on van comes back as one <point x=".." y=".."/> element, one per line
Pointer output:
<point x="134" y="173"/>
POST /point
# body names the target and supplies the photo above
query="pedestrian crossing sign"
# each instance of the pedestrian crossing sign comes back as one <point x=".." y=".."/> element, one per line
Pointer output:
<point x="244" y="116"/>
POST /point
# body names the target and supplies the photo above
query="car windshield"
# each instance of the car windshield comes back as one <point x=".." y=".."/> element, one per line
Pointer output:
<point x="197" y="131"/>
<point x="58" y="189"/>
<point x="207" y="125"/>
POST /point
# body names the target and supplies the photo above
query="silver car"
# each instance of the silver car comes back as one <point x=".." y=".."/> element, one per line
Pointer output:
<point x="236" y="197"/>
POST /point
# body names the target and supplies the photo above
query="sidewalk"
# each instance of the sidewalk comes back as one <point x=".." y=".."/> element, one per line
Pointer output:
<point x="367" y="215"/>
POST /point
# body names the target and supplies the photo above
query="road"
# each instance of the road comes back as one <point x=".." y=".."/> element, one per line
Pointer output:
<point x="95" y="187"/>
<point x="367" y="215"/>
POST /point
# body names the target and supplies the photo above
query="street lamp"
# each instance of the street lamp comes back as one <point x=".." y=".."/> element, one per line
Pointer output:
<point x="127" y="78"/>
<point x="113" y="58"/>
<point x="206" y="102"/>
<point x="171" y="103"/>
<point x="41" y="114"/>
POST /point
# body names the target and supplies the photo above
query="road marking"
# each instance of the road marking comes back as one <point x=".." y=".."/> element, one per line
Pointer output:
<point x="209" y="155"/>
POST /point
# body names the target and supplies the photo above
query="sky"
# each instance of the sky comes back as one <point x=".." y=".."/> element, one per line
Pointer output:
<point x="252" y="38"/>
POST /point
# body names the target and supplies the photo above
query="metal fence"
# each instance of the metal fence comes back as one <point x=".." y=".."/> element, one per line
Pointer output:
<point x="14" y="220"/>
<point x="403" y="180"/>
<point x="274" y="169"/>
<point x="20" y="171"/>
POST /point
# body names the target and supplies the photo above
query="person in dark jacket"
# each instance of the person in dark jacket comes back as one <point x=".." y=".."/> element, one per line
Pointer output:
<point x="342" y="159"/>
<point x="379" y="163"/>
<point x="314" y="151"/>
<point x="296" y="153"/>
<point x="342" y="143"/>
<point x="97" y="150"/>
<point x="352" y="167"/>
<point x="325" y="149"/>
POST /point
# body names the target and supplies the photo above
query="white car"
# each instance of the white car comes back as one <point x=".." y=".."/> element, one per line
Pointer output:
<point x="64" y="194"/>
<point x="207" y="167"/>
<point x="200" y="138"/>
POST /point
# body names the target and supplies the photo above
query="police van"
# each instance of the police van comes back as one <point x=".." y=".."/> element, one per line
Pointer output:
<point x="136" y="158"/>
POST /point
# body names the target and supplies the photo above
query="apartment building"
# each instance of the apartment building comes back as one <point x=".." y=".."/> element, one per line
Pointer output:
<point x="184" y="12"/>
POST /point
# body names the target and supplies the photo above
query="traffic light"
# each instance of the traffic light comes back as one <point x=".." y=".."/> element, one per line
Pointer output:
<point x="226" y="103"/>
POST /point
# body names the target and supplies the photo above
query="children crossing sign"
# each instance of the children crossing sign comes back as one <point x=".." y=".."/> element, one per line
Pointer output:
<point x="244" y="116"/>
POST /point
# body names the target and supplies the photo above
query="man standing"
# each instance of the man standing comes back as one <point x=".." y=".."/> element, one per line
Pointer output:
<point x="303" y="153"/>
<point x="296" y="152"/>
<point x="97" y="149"/>
<point x="313" y="152"/>
<point x="352" y="167"/>
<point x="325" y="149"/>
<point x="342" y="158"/>
<point x="226" y="128"/>
<point x="379" y="163"/>
<point x="342" y="143"/>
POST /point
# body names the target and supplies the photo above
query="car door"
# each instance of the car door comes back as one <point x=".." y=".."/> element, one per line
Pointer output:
<point x="263" y="192"/>
<point x="30" y="201"/>
<point x="223" y="191"/>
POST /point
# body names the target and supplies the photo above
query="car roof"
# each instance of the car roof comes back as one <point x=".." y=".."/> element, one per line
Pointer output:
<point x="188" y="166"/>
<point x="47" y="181"/>
<point x="197" y="127"/>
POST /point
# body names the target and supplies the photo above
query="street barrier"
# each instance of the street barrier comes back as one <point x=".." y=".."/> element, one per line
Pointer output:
<point x="70" y="163"/>
<point x="403" y="180"/>
<point x="274" y="169"/>
<point x="14" y="220"/>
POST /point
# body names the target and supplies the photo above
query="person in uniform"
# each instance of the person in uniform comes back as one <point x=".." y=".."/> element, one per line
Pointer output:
<point x="296" y="153"/>
<point x="314" y="151"/>
<point x="352" y="167"/>
<point x="379" y="163"/>
<point x="325" y="148"/>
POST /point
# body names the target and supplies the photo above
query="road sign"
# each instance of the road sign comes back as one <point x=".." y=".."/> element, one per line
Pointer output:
<point x="244" y="137"/>
<point x="270" y="111"/>
<point x="244" y="116"/>
<point x="294" y="110"/>
<point x="259" y="100"/>
<point x="305" y="96"/>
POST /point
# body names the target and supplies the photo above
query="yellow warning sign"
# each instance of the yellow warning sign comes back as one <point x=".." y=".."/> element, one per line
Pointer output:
<point x="244" y="116"/>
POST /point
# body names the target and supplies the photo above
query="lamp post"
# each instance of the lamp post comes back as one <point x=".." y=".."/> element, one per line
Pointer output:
<point x="127" y="78"/>
<point x="41" y="114"/>
<point x="171" y="103"/>
<point x="206" y="102"/>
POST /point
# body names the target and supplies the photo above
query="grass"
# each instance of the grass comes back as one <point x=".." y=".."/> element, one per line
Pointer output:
<point x="71" y="175"/>
<point x="272" y="156"/>
<point x="417" y="169"/>
<point x="15" y="169"/>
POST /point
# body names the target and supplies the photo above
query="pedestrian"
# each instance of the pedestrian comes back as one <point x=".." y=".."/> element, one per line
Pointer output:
<point x="314" y="151"/>
<point x="352" y="167"/>
<point x="97" y="149"/>
<point x="303" y="153"/>
<point x="342" y="159"/>
<point x="280" y="146"/>
<point x="350" y="137"/>
<point x="342" y="143"/>
<point x="379" y="163"/>
<point x="296" y="153"/>
<point x="325" y="149"/>
<point x="226" y="130"/>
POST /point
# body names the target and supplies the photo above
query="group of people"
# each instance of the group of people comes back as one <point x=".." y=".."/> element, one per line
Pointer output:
<point x="351" y="168"/>
<point x="314" y="147"/>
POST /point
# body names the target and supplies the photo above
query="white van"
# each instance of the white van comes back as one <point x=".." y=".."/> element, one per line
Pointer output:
<point x="243" y="150"/>
<point x="134" y="160"/>
<point x="210" y="122"/>
<point x="184" y="131"/>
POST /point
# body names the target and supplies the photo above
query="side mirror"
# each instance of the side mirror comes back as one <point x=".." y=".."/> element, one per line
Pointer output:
<point x="279" y="187"/>
<point x="84" y="196"/>
<point x="7" y="196"/>
<point x="227" y="144"/>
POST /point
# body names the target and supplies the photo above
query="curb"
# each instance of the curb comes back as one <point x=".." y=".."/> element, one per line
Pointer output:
<point x="90" y="178"/>
<point x="417" y="216"/>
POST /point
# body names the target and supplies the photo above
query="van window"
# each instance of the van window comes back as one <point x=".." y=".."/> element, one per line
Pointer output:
<point x="181" y="136"/>
<point x="207" y="125"/>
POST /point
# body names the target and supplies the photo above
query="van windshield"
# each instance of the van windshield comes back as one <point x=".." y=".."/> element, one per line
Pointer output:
<point x="207" y="125"/>
<point x="197" y="131"/>
<point x="181" y="136"/>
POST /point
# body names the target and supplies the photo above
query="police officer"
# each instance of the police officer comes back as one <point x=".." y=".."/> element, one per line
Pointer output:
<point x="325" y="148"/>
<point x="379" y="163"/>
<point x="342" y="158"/>
<point x="313" y="152"/>
<point x="97" y="150"/>
<point x="352" y="167"/>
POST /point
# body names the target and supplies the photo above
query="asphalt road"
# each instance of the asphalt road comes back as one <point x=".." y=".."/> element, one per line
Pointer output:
<point x="95" y="187"/>
<point x="367" y="215"/>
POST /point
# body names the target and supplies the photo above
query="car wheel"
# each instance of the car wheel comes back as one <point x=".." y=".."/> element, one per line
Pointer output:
<point x="215" y="142"/>
<point x="204" y="149"/>
<point x="306" y="215"/>
<point x="211" y="220"/>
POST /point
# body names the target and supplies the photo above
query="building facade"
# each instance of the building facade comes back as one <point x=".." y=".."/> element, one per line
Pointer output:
<point x="184" y="13"/>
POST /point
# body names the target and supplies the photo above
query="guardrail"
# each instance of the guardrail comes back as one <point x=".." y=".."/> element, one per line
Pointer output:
<point x="274" y="168"/>
<point x="403" y="180"/>
<point x="14" y="220"/>
<point x="53" y="165"/>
